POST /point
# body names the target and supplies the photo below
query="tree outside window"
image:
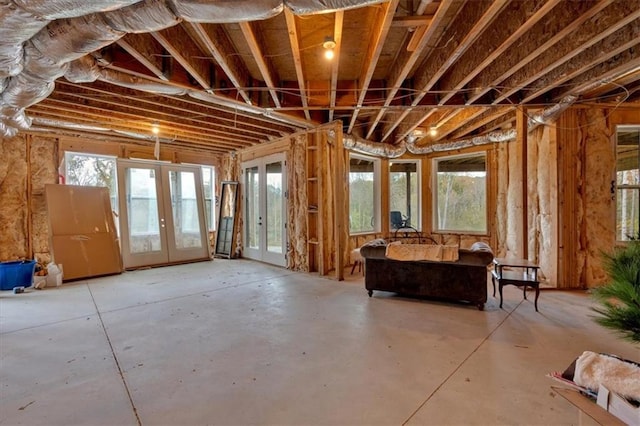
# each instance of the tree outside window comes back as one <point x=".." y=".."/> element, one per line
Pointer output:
<point x="461" y="196"/>
<point x="363" y="181"/>
<point x="627" y="183"/>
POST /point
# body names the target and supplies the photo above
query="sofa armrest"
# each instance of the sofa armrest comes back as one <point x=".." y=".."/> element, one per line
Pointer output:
<point x="374" y="249"/>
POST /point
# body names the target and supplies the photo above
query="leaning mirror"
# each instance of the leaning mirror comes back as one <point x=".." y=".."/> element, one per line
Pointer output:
<point x="226" y="219"/>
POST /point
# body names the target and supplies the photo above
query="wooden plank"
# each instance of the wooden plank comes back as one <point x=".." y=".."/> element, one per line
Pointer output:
<point x="216" y="43"/>
<point x="297" y="58"/>
<point x="541" y="38"/>
<point x="340" y="202"/>
<point x="267" y="70"/>
<point x="145" y="49"/>
<point x="337" y="37"/>
<point x="595" y="38"/>
<point x="470" y="24"/>
<point x="406" y="60"/>
<point x="383" y="23"/>
<point x="175" y="41"/>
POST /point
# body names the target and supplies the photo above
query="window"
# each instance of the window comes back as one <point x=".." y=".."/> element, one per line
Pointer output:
<point x="210" y="199"/>
<point x="627" y="183"/>
<point x="363" y="194"/>
<point x="404" y="194"/>
<point x="461" y="195"/>
<point x="92" y="170"/>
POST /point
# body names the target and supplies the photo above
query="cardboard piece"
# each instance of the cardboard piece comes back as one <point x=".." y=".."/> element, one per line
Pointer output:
<point x="618" y="406"/>
<point x="82" y="232"/>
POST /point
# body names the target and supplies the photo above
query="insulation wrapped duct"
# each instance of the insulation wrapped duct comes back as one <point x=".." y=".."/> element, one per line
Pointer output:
<point x="144" y="17"/>
<point x="551" y="112"/>
<point x="18" y="26"/>
<point x="57" y="123"/>
<point x="18" y="119"/>
<point x="83" y="70"/>
<point x="68" y="39"/>
<point x="307" y="7"/>
<point x="25" y="90"/>
<point x="224" y="11"/>
<point x="6" y="131"/>
<point x="139" y="83"/>
<point x="379" y="149"/>
<point x="58" y="9"/>
<point x="3" y="84"/>
<point x="38" y="65"/>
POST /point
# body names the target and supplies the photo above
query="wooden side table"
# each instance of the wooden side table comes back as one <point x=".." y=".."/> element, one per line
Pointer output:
<point x="525" y="275"/>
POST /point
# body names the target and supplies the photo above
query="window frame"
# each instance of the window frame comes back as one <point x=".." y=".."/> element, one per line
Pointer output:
<point x="415" y="220"/>
<point x="622" y="186"/>
<point x="377" y="223"/>
<point x="434" y="196"/>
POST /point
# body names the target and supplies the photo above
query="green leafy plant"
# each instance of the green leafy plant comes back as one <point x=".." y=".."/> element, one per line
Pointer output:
<point x="620" y="298"/>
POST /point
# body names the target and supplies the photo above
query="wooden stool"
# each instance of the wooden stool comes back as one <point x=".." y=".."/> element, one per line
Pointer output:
<point x="356" y="259"/>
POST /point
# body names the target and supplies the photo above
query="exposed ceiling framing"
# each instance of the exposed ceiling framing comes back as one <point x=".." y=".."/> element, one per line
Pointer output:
<point x="401" y="67"/>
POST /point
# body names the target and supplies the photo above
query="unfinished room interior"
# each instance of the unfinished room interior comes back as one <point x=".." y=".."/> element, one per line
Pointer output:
<point x="313" y="212"/>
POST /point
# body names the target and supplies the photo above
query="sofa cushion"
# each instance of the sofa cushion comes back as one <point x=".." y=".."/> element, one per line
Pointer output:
<point x="413" y="252"/>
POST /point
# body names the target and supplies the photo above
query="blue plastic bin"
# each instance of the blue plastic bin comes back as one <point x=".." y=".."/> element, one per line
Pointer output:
<point x="18" y="273"/>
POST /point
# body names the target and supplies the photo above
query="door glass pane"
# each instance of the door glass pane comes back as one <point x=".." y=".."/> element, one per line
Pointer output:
<point x="252" y="224"/>
<point x="142" y="208"/>
<point x="274" y="219"/>
<point x="184" y="208"/>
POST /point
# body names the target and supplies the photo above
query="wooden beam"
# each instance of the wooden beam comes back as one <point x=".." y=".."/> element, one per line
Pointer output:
<point x="267" y="70"/>
<point x="184" y="53"/>
<point x="510" y="26"/>
<point x="215" y="42"/>
<point x="182" y="107"/>
<point x="545" y="34"/>
<point x="606" y="49"/>
<point x="411" y="21"/>
<point x="337" y="37"/>
<point x="472" y="21"/>
<point x="142" y="47"/>
<point x="603" y="73"/>
<point x="406" y="59"/>
<point x="297" y="58"/>
<point x="482" y="120"/>
<point x="594" y="38"/>
<point x="382" y="25"/>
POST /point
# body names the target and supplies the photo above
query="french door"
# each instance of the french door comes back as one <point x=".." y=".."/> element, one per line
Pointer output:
<point x="265" y="237"/>
<point x="161" y="213"/>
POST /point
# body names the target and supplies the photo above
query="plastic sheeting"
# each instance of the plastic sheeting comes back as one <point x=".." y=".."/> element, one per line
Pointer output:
<point x="143" y="17"/>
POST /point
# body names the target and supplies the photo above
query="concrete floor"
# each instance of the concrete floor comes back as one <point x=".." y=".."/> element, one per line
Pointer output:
<point x="235" y="342"/>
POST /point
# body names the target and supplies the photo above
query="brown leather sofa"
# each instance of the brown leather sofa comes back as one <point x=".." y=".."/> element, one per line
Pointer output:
<point x="462" y="280"/>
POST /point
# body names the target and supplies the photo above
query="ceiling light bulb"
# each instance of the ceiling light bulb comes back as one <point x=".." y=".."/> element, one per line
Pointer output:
<point x="155" y="128"/>
<point x="329" y="54"/>
<point x="329" y="44"/>
<point x="433" y="130"/>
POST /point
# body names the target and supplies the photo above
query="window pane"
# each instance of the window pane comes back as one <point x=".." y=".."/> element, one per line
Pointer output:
<point x="208" y="183"/>
<point x="361" y="195"/>
<point x="461" y="194"/>
<point x="628" y="214"/>
<point x="628" y="183"/>
<point x="404" y="195"/>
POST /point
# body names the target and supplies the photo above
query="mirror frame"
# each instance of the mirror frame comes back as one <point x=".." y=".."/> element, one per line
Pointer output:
<point x="227" y="209"/>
